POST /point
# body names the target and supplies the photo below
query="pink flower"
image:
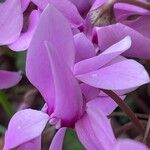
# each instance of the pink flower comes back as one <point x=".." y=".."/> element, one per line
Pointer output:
<point x="51" y="68"/>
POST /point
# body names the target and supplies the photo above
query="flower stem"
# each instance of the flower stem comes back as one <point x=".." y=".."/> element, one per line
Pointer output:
<point x="126" y="109"/>
<point x="147" y="132"/>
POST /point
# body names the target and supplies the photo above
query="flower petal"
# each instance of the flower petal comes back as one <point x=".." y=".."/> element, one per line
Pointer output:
<point x="34" y="144"/>
<point x="97" y="62"/>
<point x="69" y="10"/>
<point x="41" y="4"/>
<point x="89" y="92"/>
<point x="25" y="4"/>
<point x="94" y="130"/>
<point x="9" y="79"/>
<point x="24" y="126"/>
<point x="111" y="34"/>
<point x="123" y="75"/>
<point x="124" y="144"/>
<point x="11" y="21"/>
<point x="38" y="64"/>
<point x="84" y="48"/>
<point x="67" y="91"/>
<point x="57" y="142"/>
<point x="141" y="25"/>
<point x="123" y="10"/>
<point x="22" y="43"/>
<point x="105" y="104"/>
<point x="82" y="5"/>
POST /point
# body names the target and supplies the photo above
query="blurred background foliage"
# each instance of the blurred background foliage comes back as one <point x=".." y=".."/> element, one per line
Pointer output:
<point x="24" y="95"/>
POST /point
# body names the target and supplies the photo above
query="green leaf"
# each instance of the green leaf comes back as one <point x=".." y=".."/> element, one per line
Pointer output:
<point x="71" y="141"/>
<point x="4" y="102"/>
<point x="2" y="130"/>
<point x="21" y="58"/>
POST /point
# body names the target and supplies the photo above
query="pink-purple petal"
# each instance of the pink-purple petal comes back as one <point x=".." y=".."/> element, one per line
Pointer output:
<point x="57" y="142"/>
<point x="105" y="104"/>
<point x="109" y="54"/>
<point x="25" y="4"/>
<point x="69" y="10"/>
<point x="34" y="144"/>
<point x="67" y="91"/>
<point x="24" y="126"/>
<point x="122" y="10"/>
<point x="89" y="92"/>
<point x="38" y="67"/>
<point x="111" y="34"/>
<point x="83" y="5"/>
<point x="23" y="42"/>
<point x="123" y="75"/>
<point x="94" y="130"/>
<point x="11" y="21"/>
<point x="84" y="47"/>
<point x="40" y="3"/>
<point x="9" y="79"/>
<point x="141" y="25"/>
<point x="124" y="144"/>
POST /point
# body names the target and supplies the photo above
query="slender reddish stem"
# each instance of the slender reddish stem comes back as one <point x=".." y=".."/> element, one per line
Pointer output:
<point x="126" y="109"/>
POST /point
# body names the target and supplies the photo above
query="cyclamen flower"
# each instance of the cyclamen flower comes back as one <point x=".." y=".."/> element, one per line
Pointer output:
<point x="9" y="79"/>
<point x="51" y="68"/>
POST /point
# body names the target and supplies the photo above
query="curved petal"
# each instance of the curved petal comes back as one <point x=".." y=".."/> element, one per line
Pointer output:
<point x="111" y="34"/>
<point x="25" y="4"/>
<point x="105" y="104"/>
<point x="82" y="5"/>
<point x="141" y="25"/>
<point x="11" y="21"/>
<point x="34" y="144"/>
<point x="123" y="75"/>
<point x="57" y="142"/>
<point x="97" y="62"/>
<point x="24" y="126"/>
<point x="23" y="42"/>
<point x="9" y="79"/>
<point x="89" y="92"/>
<point x="41" y="4"/>
<point x="130" y="145"/>
<point x="94" y="130"/>
<point x="97" y="3"/>
<point x="69" y="11"/>
<point x="84" y="47"/>
<point x="67" y="92"/>
<point x="122" y="10"/>
<point x="38" y="64"/>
